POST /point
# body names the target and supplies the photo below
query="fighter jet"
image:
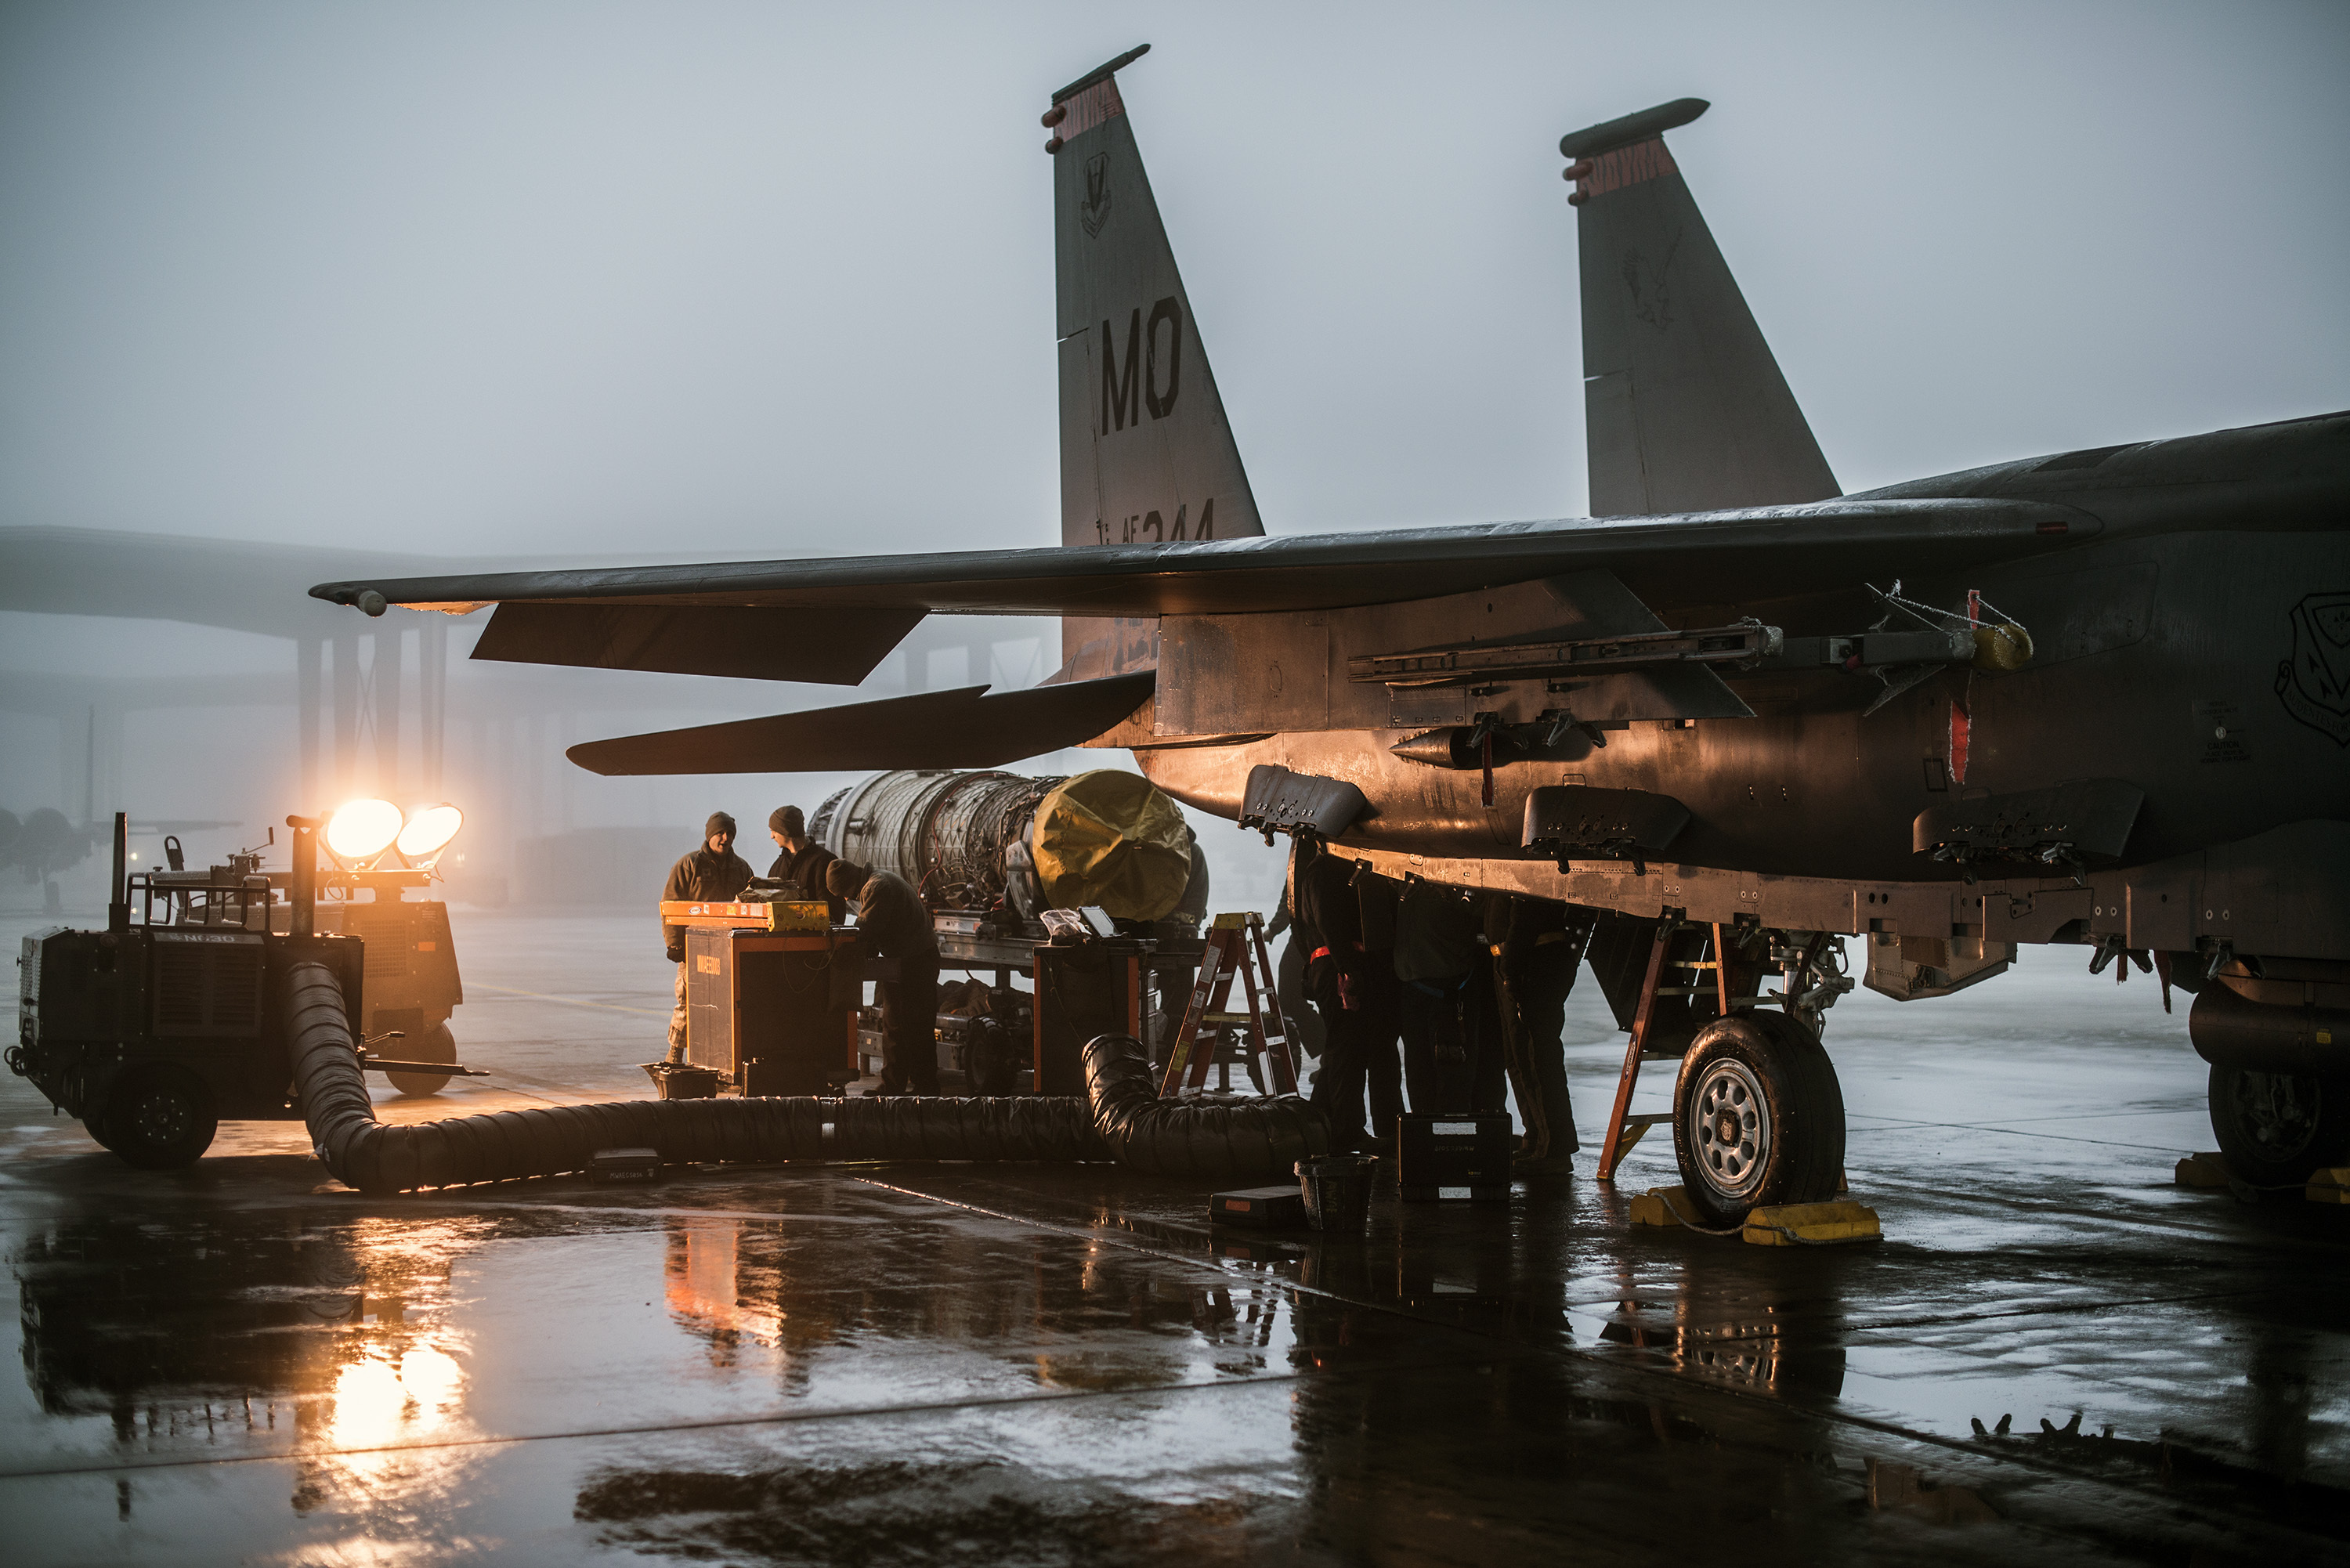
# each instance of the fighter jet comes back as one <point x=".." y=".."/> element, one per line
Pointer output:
<point x="2098" y="698"/>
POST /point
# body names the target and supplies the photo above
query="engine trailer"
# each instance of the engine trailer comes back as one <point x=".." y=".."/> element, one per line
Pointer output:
<point x="154" y="1030"/>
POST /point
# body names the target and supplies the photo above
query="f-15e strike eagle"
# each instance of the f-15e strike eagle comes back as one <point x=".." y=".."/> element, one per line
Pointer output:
<point x="2100" y="698"/>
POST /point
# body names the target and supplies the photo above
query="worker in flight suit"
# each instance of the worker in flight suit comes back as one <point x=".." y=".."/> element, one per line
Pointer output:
<point x="711" y="874"/>
<point x="1330" y="916"/>
<point x="801" y="860"/>
<point x="893" y="924"/>
<point x="1379" y="1014"/>
<point x="1538" y="946"/>
<point x="1451" y="1049"/>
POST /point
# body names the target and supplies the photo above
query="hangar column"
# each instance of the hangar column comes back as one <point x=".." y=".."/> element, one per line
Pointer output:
<point x="309" y="653"/>
<point x="347" y="714"/>
<point x="433" y="697"/>
<point x="386" y="679"/>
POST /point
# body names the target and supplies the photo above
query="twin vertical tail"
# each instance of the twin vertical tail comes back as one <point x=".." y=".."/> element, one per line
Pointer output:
<point x="1147" y="454"/>
<point x="1685" y="407"/>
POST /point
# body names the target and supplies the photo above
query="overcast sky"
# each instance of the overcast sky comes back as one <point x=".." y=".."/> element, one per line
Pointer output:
<point x="709" y="277"/>
<point x="685" y="280"/>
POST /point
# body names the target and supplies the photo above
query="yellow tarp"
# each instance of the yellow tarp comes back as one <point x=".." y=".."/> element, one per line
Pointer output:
<point x="1111" y="839"/>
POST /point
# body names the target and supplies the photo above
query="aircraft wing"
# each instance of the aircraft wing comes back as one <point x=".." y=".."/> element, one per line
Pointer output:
<point x="833" y="619"/>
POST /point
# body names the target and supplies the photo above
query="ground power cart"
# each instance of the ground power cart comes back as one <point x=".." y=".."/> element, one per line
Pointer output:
<point x="156" y="1029"/>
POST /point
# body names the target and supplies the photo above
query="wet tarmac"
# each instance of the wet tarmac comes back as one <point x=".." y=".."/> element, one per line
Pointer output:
<point x="917" y="1364"/>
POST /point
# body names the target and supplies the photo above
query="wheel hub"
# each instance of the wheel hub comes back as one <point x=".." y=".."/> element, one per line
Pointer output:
<point x="160" y="1117"/>
<point x="1729" y="1129"/>
<point x="2278" y="1112"/>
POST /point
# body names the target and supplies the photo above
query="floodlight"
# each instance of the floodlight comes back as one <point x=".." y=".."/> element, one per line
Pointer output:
<point x="363" y="829"/>
<point x="429" y="828"/>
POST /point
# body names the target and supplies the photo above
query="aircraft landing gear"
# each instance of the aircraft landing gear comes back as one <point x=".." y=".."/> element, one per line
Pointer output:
<point x="1758" y="1116"/>
<point x="2276" y="1128"/>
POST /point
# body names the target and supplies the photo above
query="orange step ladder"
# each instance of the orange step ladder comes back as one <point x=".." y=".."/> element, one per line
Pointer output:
<point x="1686" y="963"/>
<point x="1236" y="949"/>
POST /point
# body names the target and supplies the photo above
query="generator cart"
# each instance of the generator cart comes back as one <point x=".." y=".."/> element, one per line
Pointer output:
<point x="157" y="1029"/>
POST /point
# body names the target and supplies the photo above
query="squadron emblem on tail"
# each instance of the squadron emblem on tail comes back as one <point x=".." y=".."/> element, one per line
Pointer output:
<point x="1094" y="211"/>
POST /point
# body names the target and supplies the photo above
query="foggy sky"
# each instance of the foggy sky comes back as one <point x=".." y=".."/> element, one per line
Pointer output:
<point x="704" y="279"/>
<point x="523" y="277"/>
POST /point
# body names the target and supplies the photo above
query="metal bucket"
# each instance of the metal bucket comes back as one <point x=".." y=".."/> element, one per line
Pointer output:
<point x="1338" y="1191"/>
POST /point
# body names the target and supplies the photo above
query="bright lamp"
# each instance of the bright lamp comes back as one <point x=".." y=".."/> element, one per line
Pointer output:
<point x="363" y="829"/>
<point x="429" y="828"/>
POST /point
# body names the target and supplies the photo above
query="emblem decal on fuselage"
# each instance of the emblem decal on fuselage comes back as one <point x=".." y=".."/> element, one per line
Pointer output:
<point x="1094" y="211"/>
<point x="2315" y="683"/>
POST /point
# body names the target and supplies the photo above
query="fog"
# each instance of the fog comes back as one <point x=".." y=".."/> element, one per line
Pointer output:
<point x="590" y="283"/>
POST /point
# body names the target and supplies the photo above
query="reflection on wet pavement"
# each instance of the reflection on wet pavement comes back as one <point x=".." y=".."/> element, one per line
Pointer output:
<point x="2055" y="1355"/>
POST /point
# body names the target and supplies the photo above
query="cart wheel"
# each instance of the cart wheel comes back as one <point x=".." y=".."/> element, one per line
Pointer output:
<point x="2276" y="1128"/>
<point x="94" y="1124"/>
<point x="437" y="1044"/>
<point x="1758" y="1116"/>
<point x="159" y="1119"/>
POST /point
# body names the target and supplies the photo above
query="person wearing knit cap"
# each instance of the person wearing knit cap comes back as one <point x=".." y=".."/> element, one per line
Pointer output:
<point x="802" y="861"/>
<point x="711" y="874"/>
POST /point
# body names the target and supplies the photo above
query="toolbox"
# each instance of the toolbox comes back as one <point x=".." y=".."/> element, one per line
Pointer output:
<point x="1454" y="1156"/>
<point x="1260" y="1208"/>
<point x="774" y="1011"/>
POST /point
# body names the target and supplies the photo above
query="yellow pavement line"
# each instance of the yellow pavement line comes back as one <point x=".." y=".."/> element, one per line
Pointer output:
<point x="572" y="1001"/>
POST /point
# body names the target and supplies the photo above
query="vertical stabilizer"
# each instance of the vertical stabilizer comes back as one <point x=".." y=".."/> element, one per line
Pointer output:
<point x="1685" y="407"/>
<point x="1146" y="451"/>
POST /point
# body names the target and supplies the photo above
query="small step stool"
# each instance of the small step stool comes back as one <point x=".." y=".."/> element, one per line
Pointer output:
<point x="1688" y="970"/>
<point x="1235" y="949"/>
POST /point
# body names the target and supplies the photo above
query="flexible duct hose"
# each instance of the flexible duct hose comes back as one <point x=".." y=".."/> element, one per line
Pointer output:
<point x="361" y="1152"/>
<point x="1259" y="1140"/>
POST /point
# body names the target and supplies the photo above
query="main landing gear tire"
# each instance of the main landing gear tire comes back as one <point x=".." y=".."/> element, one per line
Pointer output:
<point x="436" y="1044"/>
<point x="159" y="1119"/>
<point x="1758" y="1117"/>
<point x="2277" y="1128"/>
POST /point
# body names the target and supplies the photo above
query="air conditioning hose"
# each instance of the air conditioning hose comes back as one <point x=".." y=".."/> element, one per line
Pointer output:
<point x="1124" y="1120"/>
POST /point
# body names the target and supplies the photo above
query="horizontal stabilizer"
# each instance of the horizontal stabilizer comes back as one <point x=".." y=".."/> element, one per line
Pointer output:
<point x="836" y="648"/>
<point x="959" y="729"/>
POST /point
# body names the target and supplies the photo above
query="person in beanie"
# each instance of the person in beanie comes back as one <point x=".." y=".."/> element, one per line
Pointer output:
<point x="711" y="874"/>
<point x="894" y="924"/>
<point x="802" y="859"/>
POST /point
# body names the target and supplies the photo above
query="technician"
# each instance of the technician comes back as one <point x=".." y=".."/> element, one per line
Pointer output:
<point x="1328" y="911"/>
<point x="1451" y="1055"/>
<point x="896" y="925"/>
<point x="1538" y="946"/>
<point x="711" y="874"/>
<point x="802" y="859"/>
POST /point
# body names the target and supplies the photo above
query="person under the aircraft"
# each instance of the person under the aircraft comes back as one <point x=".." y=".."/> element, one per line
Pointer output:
<point x="895" y="925"/>
<point x="1451" y="1058"/>
<point x="1379" y="1016"/>
<point x="801" y="860"/>
<point x="711" y="874"/>
<point x="1325" y="907"/>
<point x="1537" y="949"/>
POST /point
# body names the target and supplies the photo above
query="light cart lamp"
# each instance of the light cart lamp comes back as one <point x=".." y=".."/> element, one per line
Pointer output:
<point x="359" y="832"/>
<point x="429" y="831"/>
